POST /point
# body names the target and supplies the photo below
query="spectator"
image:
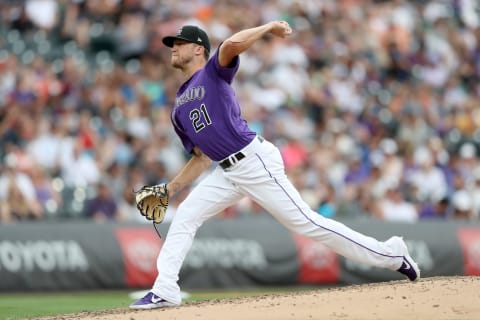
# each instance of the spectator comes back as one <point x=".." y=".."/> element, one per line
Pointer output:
<point x="294" y="154"/>
<point x="18" y="200"/>
<point x="328" y="207"/>
<point x="393" y="207"/>
<point x="427" y="179"/>
<point x="78" y="166"/>
<point x="44" y="147"/>
<point x="47" y="194"/>
<point x="462" y="205"/>
<point x="102" y="207"/>
<point x="436" y="209"/>
<point x="475" y="192"/>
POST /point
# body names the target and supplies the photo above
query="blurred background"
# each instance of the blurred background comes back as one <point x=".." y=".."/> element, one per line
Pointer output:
<point x="374" y="104"/>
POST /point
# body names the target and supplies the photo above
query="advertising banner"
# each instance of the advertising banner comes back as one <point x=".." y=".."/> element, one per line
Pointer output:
<point x="139" y="248"/>
<point x="470" y="242"/>
<point x="226" y="253"/>
<point x="59" y="256"/>
<point x="318" y="264"/>
<point x="237" y="253"/>
<point x="432" y="244"/>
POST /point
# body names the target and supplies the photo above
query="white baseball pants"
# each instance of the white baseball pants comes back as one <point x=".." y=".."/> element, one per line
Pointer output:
<point x="260" y="176"/>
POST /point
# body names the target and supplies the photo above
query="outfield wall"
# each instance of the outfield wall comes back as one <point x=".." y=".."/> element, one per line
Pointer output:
<point x="236" y="253"/>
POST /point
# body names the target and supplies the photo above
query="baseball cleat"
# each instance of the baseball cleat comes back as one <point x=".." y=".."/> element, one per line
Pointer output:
<point x="151" y="301"/>
<point x="409" y="267"/>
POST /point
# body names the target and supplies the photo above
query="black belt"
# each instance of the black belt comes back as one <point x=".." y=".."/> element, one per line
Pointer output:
<point x="227" y="163"/>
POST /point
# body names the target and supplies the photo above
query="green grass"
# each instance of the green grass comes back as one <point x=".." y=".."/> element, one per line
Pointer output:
<point x="31" y="305"/>
<point x="21" y="306"/>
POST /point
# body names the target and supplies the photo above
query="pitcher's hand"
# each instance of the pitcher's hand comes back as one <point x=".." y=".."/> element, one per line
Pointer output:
<point x="280" y="29"/>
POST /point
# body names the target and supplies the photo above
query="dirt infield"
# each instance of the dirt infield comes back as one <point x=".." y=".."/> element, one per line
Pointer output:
<point x="448" y="298"/>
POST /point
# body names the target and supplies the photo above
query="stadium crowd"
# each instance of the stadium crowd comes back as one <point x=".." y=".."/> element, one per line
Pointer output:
<point x="374" y="104"/>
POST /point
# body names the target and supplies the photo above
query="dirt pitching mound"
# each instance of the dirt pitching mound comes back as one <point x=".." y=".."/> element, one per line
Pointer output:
<point x="430" y="298"/>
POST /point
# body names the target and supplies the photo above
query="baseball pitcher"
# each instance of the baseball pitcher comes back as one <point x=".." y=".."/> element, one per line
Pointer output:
<point x="207" y="118"/>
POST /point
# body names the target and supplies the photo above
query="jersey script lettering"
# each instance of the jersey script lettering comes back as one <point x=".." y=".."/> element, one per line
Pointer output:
<point x="191" y="94"/>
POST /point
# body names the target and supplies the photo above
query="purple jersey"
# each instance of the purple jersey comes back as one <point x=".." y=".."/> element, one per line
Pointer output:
<point x="207" y="114"/>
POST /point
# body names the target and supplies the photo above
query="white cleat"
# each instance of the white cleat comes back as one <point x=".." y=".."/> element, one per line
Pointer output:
<point x="409" y="267"/>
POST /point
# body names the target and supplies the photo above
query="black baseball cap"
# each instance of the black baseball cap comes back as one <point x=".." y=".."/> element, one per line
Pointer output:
<point x="191" y="34"/>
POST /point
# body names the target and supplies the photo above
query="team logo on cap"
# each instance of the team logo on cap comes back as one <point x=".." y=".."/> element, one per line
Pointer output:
<point x="179" y="32"/>
<point x="199" y="40"/>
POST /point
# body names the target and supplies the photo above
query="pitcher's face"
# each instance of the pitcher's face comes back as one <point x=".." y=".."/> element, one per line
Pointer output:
<point x="183" y="53"/>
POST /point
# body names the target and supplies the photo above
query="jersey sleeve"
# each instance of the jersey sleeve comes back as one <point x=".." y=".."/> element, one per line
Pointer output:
<point x="226" y="73"/>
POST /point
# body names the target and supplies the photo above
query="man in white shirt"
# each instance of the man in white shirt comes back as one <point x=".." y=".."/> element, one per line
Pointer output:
<point x="393" y="207"/>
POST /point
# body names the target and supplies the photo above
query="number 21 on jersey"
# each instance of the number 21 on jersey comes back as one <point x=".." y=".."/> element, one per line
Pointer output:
<point x="200" y="118"/>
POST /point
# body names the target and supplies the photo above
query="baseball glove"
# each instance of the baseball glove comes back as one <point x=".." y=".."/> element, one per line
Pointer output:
<point x="152" y="202"/>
